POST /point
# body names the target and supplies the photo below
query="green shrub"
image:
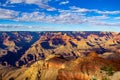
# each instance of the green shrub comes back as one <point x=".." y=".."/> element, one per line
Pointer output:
<point x="108" y="69"/>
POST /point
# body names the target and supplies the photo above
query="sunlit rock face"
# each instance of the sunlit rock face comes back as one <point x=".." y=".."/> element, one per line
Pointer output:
<point x="68" y="45"/>
<point x="58" y="55"/>
<point x="57" y="68"/>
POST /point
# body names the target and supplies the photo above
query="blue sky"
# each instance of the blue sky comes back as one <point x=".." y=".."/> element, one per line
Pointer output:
<point x="60" y="15"/>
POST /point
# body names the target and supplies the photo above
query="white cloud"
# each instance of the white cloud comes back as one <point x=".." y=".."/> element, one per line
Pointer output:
<point x="107" y="12"/>
<point x="15" y="1"/>
<point x="41" y="3"/>
<point x="103" y="17"/>
<point x="78" y="9"/>
<point x="28" y="1"/>
<point x="64" y="2"/>
<point x="34" y="16"/>
<point x="75" y="9"/>
<point x="51" y="9"/>
<point x="62" y="18"/>
<point x="19" y="27"/>
<point x="103" y="23"/>
<point x="8" y="14"/>
<point x="10" y="26"/>
<point x="71" y="16"/>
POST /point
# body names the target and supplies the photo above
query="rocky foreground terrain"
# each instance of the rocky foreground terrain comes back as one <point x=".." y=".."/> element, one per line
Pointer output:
<point x="59" y="56"/>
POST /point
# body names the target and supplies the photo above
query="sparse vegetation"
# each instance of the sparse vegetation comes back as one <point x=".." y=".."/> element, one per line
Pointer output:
<point x="93" y="79"/>
<point x="105" y="78"/>
<point x="109" y="70"/>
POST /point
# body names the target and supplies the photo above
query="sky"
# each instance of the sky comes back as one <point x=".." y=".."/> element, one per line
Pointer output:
<point x="60" y="15"/>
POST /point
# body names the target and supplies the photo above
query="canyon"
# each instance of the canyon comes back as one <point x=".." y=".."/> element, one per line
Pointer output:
<point x="66" y="55"/>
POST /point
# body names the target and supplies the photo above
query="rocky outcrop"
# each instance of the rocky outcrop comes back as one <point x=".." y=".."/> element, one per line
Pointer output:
<point x="58" y="68"/>
<point x="27" y="47"/>
<point x="66" y="45"/>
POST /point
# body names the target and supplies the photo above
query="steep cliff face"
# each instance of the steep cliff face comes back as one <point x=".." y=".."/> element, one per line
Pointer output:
<point x="69" y="46"/>
<point x="14" y="44"/>
<point x="27" y="47"/>
<point x="39" y="70"/>
<point x="84" y="68"/>
<point x="58" y="55"/>
<point x="58" y="68"/>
